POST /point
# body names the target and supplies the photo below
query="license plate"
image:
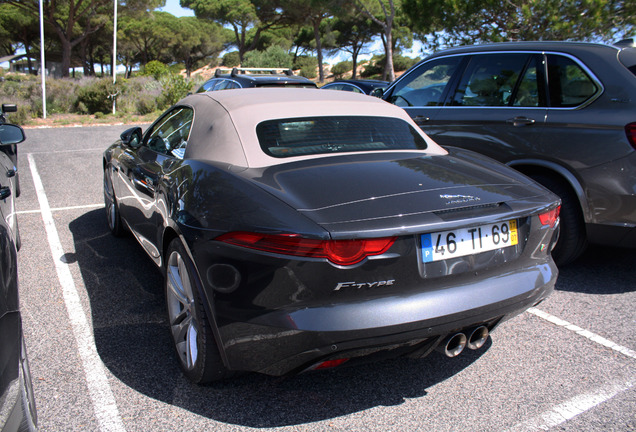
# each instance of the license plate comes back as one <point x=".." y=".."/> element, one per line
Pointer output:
<point x="468" y="241"/>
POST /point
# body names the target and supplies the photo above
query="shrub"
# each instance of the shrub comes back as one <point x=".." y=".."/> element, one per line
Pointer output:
<point x="155" y="69"/>
<point x="305" y="62"/>
<point x="376" y="65"/>
<point x="96" y="96"/>
<point x="309" y="72"/>
<point x="273" y="57"/>
<point x="61" y="95"/>
<point x="231" y="59"/>
<point x="175" y="87"/>
<point x="139" y="95"/>
<point x="402" y="63"/>
<point x="341" y="68"/>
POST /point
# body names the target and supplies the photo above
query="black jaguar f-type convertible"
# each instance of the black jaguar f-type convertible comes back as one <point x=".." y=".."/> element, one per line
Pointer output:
<point x="299" y="229"/>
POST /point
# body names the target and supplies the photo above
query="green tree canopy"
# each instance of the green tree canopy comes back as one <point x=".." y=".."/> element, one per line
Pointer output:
<point x="353" y="33"/>
<point x="18" y="29"/>
<point x="384" y="14"/>
<point x="473" y="21"/>
<point x="248" y="18"/>
<point x="73" y="21"/>
<point x="195" y="40"/>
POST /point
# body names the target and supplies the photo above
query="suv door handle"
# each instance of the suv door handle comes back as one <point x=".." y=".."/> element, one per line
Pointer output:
<point x="420" y="120"/>
<point x="520" y="121"/>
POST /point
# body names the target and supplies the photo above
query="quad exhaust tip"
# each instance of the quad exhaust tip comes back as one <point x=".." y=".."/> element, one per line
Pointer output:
<point x="477" y="338"/>
<point x="455" y="344"/>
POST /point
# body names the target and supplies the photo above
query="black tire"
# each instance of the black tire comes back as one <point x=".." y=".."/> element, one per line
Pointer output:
<point x="112" y="207"/>
<point x="572" y="237"/>
<point x="29" y="413"/>
<point x="18" y="238"/>
<point x="191" y="330"/>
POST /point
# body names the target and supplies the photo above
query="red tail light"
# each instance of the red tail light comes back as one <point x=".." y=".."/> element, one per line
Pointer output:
<point x="550" y="217"/>
<point x="329" y="364"/>
<point x="341" y="252"/>
<point x="630" y="130"/>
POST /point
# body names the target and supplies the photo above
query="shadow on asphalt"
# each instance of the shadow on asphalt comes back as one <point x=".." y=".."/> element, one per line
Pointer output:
<point x="600" y="270"/>
<point x="133" y="341"/>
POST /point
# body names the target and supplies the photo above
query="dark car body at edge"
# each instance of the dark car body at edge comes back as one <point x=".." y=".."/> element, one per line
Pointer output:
<point x="17" y="403"/>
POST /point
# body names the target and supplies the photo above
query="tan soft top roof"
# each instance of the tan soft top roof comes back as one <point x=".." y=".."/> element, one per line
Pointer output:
<point x="224" y="126"/>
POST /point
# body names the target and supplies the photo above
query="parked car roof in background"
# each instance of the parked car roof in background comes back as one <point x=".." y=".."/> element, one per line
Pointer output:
<point x="254" y="77"/>
<point x="365" y="86"/>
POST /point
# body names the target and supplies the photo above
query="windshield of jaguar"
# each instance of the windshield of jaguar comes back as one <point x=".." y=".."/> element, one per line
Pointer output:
<point x="339" y="134"/>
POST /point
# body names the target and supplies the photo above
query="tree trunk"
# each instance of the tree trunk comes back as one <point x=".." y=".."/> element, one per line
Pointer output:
<point x="321" y="72"/>
<point x="388" y="65"/>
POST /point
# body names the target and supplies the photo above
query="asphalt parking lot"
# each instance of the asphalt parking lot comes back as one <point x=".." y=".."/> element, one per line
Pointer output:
<point x="101" y="358"/>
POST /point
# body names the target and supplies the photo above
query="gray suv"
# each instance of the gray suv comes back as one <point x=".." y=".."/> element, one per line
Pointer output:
<point x="563" y="113"/>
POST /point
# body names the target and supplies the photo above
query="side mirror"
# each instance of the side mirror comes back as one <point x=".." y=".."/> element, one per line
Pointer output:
<point x="11" y="134"/>
<point x="377" y="92"/>
<point x="131" y="137"/>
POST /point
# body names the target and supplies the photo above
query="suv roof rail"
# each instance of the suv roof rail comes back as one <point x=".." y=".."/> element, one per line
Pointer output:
<point x="237" y="70"/>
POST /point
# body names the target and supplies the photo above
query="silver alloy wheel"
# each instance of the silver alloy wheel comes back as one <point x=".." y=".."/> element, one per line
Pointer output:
<point x="181" y="310"/>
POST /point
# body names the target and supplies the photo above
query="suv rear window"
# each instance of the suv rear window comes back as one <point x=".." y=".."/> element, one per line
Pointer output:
<point x="569" y="84"/>
<point x="339" y="134"/>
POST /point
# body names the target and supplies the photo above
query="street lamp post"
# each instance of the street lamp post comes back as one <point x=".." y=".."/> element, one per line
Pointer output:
<point x="115" y="57"/>
<point x="42" y="62"/>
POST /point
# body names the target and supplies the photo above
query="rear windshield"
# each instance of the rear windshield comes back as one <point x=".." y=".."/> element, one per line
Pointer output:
<point x="321" y="135"/>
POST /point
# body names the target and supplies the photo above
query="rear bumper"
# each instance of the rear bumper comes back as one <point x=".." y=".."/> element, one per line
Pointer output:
<point x="287" y="341"/>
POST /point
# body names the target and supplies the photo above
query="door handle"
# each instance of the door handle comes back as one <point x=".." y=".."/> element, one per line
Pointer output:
<point x="144" y="186"/>
<point x="520" y="121"/>
<point x="420" y="120"/>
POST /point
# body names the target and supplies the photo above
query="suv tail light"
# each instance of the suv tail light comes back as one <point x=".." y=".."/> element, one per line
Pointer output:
<point x="630" y="130"/>
<point x="340" y="252"/>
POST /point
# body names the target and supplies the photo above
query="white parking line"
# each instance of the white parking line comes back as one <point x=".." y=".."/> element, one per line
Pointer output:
<point x="55" y="209"/>
<point x="571" y="408"/>
<point x="101" y="394"/>
<point x="582" y="332"/>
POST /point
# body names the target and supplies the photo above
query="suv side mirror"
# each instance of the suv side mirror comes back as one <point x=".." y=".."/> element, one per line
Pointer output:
<point x="377" y="92"/>
<point x="11" y="134"/>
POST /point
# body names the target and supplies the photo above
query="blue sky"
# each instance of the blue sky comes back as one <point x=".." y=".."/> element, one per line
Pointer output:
<point x="175" y="9"/>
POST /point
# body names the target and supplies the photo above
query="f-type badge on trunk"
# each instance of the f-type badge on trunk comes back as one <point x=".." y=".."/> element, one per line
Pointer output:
<point x="357" y="285"/>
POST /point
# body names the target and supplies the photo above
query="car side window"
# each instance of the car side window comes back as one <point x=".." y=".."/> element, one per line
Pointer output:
<point x="489" y="80"/>
<point x="425" y="85"/>
<point x="568" y="83"/>
<point x="170" y="134"/>
<point x="209" y="85"/>
<point x="529" y="91"/>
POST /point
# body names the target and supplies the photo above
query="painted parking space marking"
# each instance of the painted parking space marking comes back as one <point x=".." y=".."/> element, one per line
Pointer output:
<point x="56" y="209"/>
<point x="104" y="404"/>
<point x="571" y="408"/>
<point x="582" y="332"/>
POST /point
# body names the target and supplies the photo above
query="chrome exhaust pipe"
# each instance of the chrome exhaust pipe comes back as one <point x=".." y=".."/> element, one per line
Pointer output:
<point x="453" y="345"/>
<point x="477" y="338"/>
